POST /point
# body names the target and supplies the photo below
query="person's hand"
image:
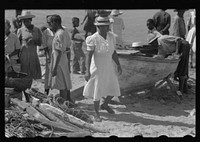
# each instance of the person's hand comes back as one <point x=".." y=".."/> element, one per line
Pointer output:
<point x="87" y="76"/>
<point x="119" y="70"/>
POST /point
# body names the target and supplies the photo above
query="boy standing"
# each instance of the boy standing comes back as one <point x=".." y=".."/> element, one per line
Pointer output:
<point x="77" y="41"/>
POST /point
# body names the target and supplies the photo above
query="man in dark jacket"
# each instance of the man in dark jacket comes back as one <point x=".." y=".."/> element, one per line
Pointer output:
<point x="162" y="21"/>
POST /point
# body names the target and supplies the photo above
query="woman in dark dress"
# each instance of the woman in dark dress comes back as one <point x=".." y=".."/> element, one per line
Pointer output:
<point x="89" y="26"/>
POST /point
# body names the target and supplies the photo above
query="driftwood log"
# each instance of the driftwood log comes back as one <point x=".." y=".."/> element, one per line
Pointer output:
<point x="40" y="117"/>
<point x="71" y="118"/>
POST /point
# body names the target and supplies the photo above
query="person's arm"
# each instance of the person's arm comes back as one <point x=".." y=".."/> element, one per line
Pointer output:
<point x="89" y="55"/>
<point x="56" y="60"/>
<point x="75" y="39"/>
<point x="167" y="26"/>
<point x="189" y="24"/>
<point x="116" y="60"/>
<point x="57" y="55"/>
<point x="84" y="18"/>
<point x="178" y="41"/>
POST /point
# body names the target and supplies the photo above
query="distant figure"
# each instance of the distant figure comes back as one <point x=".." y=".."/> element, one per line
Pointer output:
<point x="48" y="35"/>
<point x="30" y="37"/>
<point x="162" y="21"/>
<point x="177" y="46"/>
<point x="12" y="45"/>
<point x="179" y="28"/>
<point x="191" y="21"/>
<point x="89" y="26"/>
<point x="17" y="23"/>
<point x="77" y="42"/>
<point x="117" y="26"/>
<point x="191" y="38"/>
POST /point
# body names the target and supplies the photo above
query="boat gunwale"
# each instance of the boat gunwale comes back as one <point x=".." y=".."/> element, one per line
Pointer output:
<point x="148" y="59"/>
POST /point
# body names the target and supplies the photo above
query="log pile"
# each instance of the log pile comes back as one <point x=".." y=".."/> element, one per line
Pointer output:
<point x="46" y="119"/>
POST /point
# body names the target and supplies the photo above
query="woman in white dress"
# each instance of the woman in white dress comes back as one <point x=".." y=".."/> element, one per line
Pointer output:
<point x="191" y="38"/>
<point x="117" y="27"/>
<point x="100" y="74"/>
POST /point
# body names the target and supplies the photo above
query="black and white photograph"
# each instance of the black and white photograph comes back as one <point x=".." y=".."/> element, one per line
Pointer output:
<point x="100" y="73"/>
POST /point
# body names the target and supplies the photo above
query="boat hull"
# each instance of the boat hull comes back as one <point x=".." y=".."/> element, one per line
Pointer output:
<point x="140" y="72"/>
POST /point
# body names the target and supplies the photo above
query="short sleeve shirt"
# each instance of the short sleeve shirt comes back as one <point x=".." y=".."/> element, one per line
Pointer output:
<point x="11" y="44"/>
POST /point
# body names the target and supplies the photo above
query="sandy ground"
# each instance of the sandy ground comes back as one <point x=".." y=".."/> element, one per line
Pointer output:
<point x="148" y="113"/>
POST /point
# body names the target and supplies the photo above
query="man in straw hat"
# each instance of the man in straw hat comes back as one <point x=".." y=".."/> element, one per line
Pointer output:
<point x="100" y="73"/>
<point x="30" y="37"/>
<point x="166" y="44"/>
<point x="117" y="27"/>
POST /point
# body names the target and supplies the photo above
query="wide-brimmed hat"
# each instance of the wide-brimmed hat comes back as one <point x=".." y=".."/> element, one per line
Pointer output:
<point x="153" y="36"/>
<point x="101" y="21"/>
<point x="116" y="12"/>
<point x="26" y="15"/>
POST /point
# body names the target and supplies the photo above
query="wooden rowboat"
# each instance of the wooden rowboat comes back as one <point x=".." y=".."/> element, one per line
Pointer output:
<point x="141" y="72"/>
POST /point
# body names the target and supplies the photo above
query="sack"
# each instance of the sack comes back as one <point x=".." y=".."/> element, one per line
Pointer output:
<point x="19" y="81"/>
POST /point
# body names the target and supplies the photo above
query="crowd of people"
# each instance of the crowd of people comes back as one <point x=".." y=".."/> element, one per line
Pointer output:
<point x="178" y="43"/>
<point x="103" y="34"/>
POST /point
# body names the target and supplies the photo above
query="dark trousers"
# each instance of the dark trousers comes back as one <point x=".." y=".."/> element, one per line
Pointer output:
<point x="182" y="69"/>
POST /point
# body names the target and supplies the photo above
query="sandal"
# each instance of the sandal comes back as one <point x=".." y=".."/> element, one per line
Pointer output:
<point x="108" y="109"/>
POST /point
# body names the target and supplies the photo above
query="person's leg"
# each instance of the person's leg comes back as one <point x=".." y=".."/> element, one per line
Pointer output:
<point x="105" y="106"/>
<point x="46" y="91"/>
<point x="96" y="108"/>
<point x="75" y="63"/>
<point x="66" y="95"/>
<point x="82" y="65"/>
<point x="86" y="34"/>
<point x="69" y="59"/>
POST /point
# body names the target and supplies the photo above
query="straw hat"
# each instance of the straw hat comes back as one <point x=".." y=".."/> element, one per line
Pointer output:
<point x="26" y="15"/>
<point x="153" y="36"/>
<point x="136" y="44"/>
<point x="116" y="12"/>
<point x="100" y="21"/>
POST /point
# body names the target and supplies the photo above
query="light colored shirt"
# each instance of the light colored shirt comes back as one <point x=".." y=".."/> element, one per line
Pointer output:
<point x="179" y="28"/>
<point x="11" y="44"/>
<point x="167" y="43"/>
<point x="48" y="36"/>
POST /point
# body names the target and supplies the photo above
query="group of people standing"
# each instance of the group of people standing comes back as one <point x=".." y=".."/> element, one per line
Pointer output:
<point x="100" y="64"/>
<point x="177" y="43"/>
<point x="100" y="72"/>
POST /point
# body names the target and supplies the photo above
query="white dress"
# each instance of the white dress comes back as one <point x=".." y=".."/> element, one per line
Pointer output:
<point x="103" y="80"/>
<point x="191" y="38"/>
<point x="117" y="27"/>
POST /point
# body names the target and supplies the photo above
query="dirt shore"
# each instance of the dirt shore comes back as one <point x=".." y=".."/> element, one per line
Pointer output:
<point x="148" y="113"/>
